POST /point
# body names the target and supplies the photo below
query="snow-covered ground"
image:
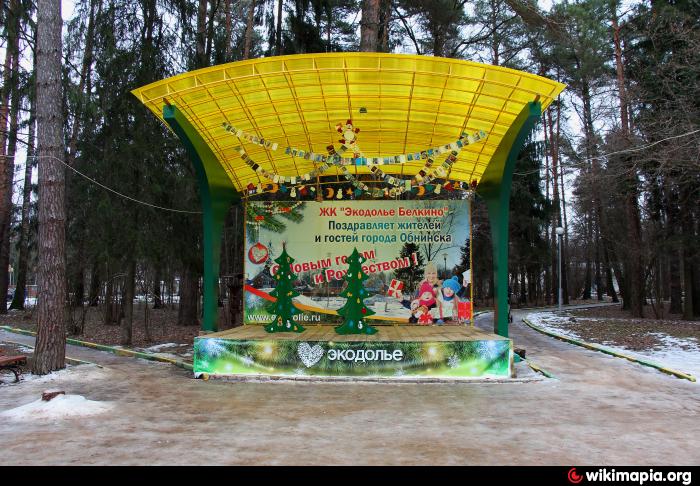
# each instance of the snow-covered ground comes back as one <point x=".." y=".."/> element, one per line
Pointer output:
<point x="174" y="350"/>
<point x="72" y="374"/>
<point x="675" y="353"/>
<point x="158" y="347"/>
<point x="31" y="407"/>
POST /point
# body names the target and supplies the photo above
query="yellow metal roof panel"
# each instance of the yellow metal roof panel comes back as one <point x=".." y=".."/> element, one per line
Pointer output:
<point x="409" y="103"/>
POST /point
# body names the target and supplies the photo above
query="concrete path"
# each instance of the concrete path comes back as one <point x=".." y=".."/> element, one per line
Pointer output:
<point x="602" y="410"/>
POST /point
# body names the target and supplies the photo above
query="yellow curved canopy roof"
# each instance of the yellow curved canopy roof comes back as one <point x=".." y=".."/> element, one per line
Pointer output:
<point x="412" y="103"/>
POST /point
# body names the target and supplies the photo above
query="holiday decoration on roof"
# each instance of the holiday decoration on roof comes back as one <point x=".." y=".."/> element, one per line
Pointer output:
<point x="419" y="184"/>
<point x="349" y="132"/>
<point x="355" y="312"/>
<point x="283" y="308"/>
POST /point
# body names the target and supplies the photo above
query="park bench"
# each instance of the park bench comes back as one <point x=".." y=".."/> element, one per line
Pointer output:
<point x="14" y="364"/>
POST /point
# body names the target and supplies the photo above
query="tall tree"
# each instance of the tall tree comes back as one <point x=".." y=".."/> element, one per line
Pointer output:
<point x="51" y="338"/>
<point x="249" y="29"/>
<point x="369" y="25"/>
<point x="9" y="110"/>
<point x="23" y="243"/>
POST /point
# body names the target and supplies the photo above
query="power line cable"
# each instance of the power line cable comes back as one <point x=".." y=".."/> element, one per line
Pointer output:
<point x="155" y="206"/>
<point x="602" y="156"/>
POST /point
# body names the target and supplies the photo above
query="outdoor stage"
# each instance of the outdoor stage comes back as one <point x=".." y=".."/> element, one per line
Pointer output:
<point x="395" y="351"/>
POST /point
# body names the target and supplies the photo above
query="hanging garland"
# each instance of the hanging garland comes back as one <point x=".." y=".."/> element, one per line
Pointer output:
<point x="276" y="178"/>
<point x="271" y="210"/>
<point x="400" y="186"/>
<point x="349" y="142"/>
<point x="359" y="159"/>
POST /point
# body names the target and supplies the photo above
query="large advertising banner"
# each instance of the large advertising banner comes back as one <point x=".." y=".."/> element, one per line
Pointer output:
<point x="417" y="258"/>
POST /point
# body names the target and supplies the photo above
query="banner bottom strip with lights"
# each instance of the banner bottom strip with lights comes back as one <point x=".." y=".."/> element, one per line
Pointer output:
<point x="481" y="358"/>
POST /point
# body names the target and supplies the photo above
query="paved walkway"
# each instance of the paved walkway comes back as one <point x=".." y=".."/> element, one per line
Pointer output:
<point x="601" y="410"/>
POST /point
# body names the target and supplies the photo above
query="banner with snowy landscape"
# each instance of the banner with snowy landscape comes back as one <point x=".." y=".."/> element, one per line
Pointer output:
<point x="418" y="258"/>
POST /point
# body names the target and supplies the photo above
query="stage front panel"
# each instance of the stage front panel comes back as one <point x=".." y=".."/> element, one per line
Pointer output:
<point x="245" y="352"/>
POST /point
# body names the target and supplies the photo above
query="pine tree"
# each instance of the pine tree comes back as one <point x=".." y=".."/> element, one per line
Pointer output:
<point x="355" y="311"/>
<point x="283" y="309"/>
<point x="50" y="351"/>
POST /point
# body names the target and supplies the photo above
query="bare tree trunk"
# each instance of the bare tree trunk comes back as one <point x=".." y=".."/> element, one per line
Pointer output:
<point x="547" y="173"/>
<point x="227" y="32"/>
<point x="94" y="293"/>
<point x="565" y="239"/>
<point x="278" y="32"/>
<point x="369" y="26"/>
<point x="127" y="324"/>
<point x="157" y="299"/>
<point x="384" y="25"/>
<point x="598" y="276"/>
<point x="189" y="296"/>
<point x="10" y="91"/>
<point x="108" y="300"/>
<point x="635" y="274"/>
<point x="210" y="27"/>
<point x="688" y="280"/>
<point x="689" y="252"/>
<point x="21" y="285"/>
<point x="608" y="275"/>
<point x="201" y="34"/>
<point x="587" y="281"/>
<point x="619" y="67"/>
<point x="556" y="215"/>
<point x="250" y="25"/>
<point x="10" y="52"/>
<point x="77" y="301"/>
<point x="50" y="351"/>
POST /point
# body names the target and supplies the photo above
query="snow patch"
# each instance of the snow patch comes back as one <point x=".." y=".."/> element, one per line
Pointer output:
<point x="680" y="354"/>
<point x="61" y="407"/>
<point x="84" y="373"/>
<point x="676" y="353"/>
<point x="158" y="347"/>
<point x="552" y="322"/>
<point x="25" y="350"/>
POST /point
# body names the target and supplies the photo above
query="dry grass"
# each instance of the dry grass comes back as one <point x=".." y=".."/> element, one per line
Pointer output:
<point x="611" y="325"/>
<point x="162" y="325"/>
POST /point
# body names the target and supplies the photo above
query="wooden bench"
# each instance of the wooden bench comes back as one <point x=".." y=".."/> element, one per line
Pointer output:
<point x="14" y="364"/>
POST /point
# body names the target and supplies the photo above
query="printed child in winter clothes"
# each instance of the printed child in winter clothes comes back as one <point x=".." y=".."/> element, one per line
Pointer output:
<point x="449" y="298"/>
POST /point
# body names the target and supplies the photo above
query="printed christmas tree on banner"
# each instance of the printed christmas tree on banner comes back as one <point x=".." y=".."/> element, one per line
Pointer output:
<point x="355" y="311"/>
<point x="283" y="309"/>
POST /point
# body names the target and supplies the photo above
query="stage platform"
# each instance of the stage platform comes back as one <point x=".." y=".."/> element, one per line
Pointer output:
<point x="394" y="351"/>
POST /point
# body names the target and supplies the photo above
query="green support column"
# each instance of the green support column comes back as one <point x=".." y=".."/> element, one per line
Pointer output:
<point x="494" y="187"/>
<point x="217" y="194"/>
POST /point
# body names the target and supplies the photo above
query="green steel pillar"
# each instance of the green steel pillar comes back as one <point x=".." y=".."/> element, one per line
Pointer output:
<point x="217" y="194"/>
<point x="494" y="187"/>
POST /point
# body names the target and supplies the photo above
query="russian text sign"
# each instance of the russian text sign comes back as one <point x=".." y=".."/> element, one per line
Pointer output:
<point x="417" y="258"/>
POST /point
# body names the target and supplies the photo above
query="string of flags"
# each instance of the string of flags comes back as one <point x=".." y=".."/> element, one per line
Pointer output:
<point x="400" y="185"/>
<point x="280" y="179"/>
<point x="419" y="182"/>
<point x="463" y="141"/>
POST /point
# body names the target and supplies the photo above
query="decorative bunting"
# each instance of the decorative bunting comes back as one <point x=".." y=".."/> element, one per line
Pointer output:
<point x="420" y="182"/>
<point x="359" y="159"/>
